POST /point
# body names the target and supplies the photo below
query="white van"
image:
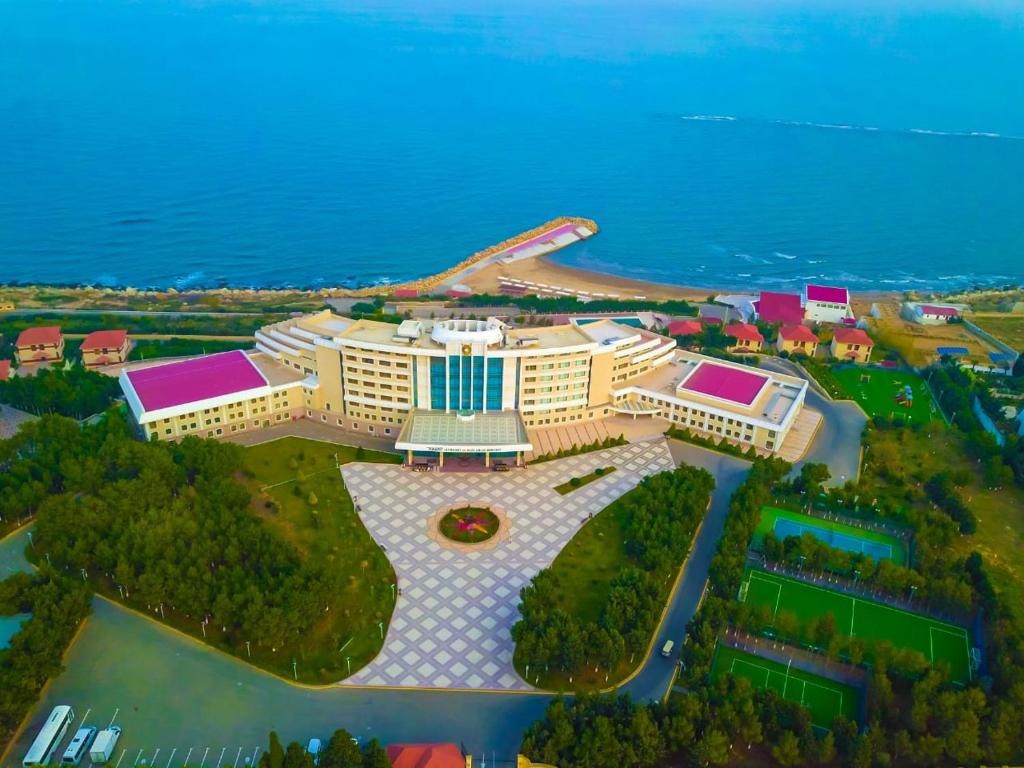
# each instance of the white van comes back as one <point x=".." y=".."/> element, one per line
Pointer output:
<point x="666" y="649"/>
<point x="103" y="745"/>
<point x="79" y="746"/>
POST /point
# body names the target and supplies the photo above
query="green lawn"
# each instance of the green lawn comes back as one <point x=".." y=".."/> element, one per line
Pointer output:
<point x="824" y="698"/>
<point x="869" y="621"/>
<point x="570" y="486"/>
<point x="786" y="522"/>
<point x="876" y="390"/>
<point x="286" y="477"/>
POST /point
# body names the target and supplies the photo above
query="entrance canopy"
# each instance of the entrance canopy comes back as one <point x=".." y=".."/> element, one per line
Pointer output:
<point x="463" y="432"/>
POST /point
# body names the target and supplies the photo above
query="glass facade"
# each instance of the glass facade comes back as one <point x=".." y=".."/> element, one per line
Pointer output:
<point x="466" y="389"/>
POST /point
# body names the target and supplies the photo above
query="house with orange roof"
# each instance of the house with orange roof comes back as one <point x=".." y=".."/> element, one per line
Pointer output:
<point x="797" y="340"/>
<point x="427" y="756"/>
<point x="746" y="335"/>
<point x="5" y="370"/>
<point x="42" y="344"/>
<point x="685" y="328"/>
<point x="104" y="348"/>
<point x="851" y="344"/>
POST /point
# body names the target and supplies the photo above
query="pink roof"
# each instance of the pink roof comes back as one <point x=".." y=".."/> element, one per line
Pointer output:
<point x="43" y="334"/>
<point x="455" y="294"/>
<point x="684" y="328"/>
<point x="5" y="370"/>
<point x="98" y="340"/>
<point x="744" y="332"/>
<point x="853" y="336"/>
<point x="406" y="293"/>
<point x="725" y="382"/>
<point x="779" y="308"/>
<point x="797" y="333"/>
<point x="931" y="309"/>
<point x="828" y="293"/>
<point x="543" y="237"/>
<point x="191" y="381"/>
<point x="425" y="756"/>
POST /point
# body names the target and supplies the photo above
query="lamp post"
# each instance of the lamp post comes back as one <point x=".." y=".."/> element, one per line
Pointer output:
<point x="295" y="669"/>
<point x="380" y="625"/>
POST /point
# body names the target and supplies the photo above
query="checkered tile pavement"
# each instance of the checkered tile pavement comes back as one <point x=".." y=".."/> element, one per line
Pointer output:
<point x="451" y="625"/>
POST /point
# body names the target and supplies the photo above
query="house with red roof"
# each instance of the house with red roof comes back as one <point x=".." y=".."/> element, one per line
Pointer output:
<point x="851" y="344"/>
<point x="797" y="340"/>
<point x="427" y="756"/>
<point x="684" y="328"/>
<point x="42" y="344"/>
<point x="783" y="308"/>
<point x="827" y="304"/>
<point x="104" y="348"/>
<point x="5" y="370"/>
<point x="406" y="293"/>
<point x="746" y="335"/>
<point x="930" y="314"/>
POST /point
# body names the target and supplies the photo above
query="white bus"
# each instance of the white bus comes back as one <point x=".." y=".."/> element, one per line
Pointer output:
<point x="49" y="737"/>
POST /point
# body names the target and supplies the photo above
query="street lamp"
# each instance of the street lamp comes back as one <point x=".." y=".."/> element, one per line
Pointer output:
<point x="380" y="625"/>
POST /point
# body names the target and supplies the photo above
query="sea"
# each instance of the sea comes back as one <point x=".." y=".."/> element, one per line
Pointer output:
<point x="738" y="144"/>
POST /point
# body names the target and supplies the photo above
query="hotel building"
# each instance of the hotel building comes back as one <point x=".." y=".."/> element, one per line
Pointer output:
<point x="440" y="387"/>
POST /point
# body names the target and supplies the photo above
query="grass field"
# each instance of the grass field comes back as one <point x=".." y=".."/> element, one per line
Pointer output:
<point x="1009" y="329"/>
<point x="869" y="621"/>
<point x="298" y="491"/>
<point x="876" y="389"/>
<point x="569" y="486"/>
<point x="786" y="522"/>
<point x="824" y="698"/>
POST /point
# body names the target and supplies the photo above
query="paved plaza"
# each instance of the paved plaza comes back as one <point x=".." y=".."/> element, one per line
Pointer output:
<point x="450" y="628"/>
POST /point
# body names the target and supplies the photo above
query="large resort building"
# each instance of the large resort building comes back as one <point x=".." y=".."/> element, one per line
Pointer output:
<point x="440" y="387"/>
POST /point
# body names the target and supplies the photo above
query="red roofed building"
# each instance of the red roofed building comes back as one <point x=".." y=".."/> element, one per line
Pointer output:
<point x="43" y="344"/>
<point x="684" y="327"/>
<point x="797" y="339"/>
<point x="826" y="304"/>
<point x="5" y="370"/>
<point x="104" y="348"/>
<point x="781" y="308"/>
<point x="406" y="293"/>
<point x="427" y="756"/>
<point x="748" y="338"/>
<point x="851" y="344"/>
<point x="935" y="313"/>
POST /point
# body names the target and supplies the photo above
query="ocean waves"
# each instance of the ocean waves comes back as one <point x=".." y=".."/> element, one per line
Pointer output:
<point x="853" y="127"/>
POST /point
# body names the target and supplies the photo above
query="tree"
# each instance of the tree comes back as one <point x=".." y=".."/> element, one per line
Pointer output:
<point x="375" y="756"/>
<point x="787" y="751"/>
<point x="297" y="757"/>
<point x="713" y="748"/>
<point x="341" y="752"/>
<point x="274" y="756"/>
<point x="812" y="478"/>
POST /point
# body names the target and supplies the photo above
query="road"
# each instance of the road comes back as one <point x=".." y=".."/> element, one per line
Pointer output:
<point x="172" y="692"/>
<point x="837" y="442"/>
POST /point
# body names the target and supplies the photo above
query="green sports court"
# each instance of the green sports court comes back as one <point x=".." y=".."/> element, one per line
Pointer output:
<point x="864" y="619"/>
<point x="787" y="522"/>
<point x="882" y="392"/>
<point x="824" y="698"/>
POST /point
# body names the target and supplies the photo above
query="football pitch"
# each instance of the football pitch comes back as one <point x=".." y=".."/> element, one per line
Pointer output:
<point x="864" y="619"/>
<point x="786" y="522"/>
<point x="876" y="390"/>
<point x="823" y="697"/>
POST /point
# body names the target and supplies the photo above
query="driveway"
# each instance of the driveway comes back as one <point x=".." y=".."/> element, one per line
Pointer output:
<point x="837" y="442"/>
<point x="452" y="621"/>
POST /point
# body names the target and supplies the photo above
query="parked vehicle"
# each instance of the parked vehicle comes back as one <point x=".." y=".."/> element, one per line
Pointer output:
<point x="79" y="745"/>
<point x="49" y="736"/>
<point x="103" y="746"/>
<point x="314" y="747"/>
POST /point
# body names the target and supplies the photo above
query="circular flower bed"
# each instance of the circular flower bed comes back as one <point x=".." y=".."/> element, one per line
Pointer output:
<point x="469" y="525"/>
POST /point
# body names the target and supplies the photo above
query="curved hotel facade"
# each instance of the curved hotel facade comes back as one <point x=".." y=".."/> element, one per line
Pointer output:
<point x="439" y="387"/>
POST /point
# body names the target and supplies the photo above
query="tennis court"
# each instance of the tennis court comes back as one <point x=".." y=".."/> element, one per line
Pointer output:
<point x="824" y="698"/>
<point x="884" y="393"/>
<point x="787" y="522"/>
<point x="864" y="619"/>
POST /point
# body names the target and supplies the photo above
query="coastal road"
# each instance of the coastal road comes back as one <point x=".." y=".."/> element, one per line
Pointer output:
<point x="837" y="442"/>
<point x="174" y="693"/>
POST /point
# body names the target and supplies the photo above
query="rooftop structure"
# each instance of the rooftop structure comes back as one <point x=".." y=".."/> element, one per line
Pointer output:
<point x="797" y="333"/>
<point x="684" y="327"/>
<point x="42" y="344"/>
<point x="162" y="390"/>
<point x="723" y="382"/>
<point x="828" y="294"/>
<point x="38" y="336"/>
<point x="853" y="336"/>
<point x="100" y="340"/>
<point x="779" y="308"/>
<point x="744" y="332"/>
<point x="939" y="311"/>
<point x="5" y="370"/>
<point x="426" y="756"/>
